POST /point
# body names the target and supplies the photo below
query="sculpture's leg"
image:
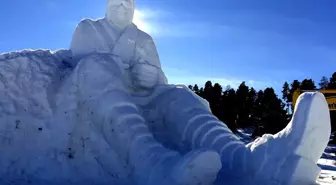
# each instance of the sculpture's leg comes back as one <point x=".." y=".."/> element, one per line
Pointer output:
<point x="103" y="92"/>
<point x="191" y="125"/>
<point x="291" y="155"/>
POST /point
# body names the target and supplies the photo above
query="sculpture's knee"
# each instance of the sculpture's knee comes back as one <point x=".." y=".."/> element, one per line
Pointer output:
<point x="98" y="74"/>
<point x="180" y="110"/>
<point x="183" y="99"/>
<point x="177" y="105"/>
<point x="112" y="102"/>
<point x="86" y="62"/>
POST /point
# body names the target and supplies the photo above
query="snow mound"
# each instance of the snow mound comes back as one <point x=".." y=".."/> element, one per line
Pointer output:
<point x="40" y="131"/>
<point x="26" y="81"/>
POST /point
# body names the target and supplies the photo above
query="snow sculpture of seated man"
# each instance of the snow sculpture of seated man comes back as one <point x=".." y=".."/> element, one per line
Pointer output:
<point x="119" y="74"/>
<point x="113" y="53"/>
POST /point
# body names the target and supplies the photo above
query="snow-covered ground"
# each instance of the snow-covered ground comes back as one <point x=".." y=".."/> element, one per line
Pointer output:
<point x="328" y="165"/>
<point x="327" y="161"/>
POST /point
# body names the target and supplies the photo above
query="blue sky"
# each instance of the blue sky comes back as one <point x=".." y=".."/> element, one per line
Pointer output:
<point x="262" y="42"/>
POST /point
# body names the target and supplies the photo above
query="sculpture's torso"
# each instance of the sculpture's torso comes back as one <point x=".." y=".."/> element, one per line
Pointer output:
<point x="99" y="36"/>
<point x="129" y="46"/>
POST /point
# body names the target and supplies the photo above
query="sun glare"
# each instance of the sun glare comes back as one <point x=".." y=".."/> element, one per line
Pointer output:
<point x="139" y="20"/>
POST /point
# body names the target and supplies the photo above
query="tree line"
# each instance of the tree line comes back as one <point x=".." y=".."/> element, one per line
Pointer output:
<point x="263" y="110"/>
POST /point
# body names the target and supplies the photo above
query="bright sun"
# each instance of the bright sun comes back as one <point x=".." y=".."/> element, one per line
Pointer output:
<point x="138" y="20"/>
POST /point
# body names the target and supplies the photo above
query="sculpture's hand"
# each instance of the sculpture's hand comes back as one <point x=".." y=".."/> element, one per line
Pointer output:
<point x="145" y="75"/>
<point x="146" y="70"/>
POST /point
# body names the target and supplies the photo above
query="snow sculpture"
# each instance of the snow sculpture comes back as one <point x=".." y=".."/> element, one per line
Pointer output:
<point x="117" y="61"/>
<point x="189" y="127"/>
<point x="103" y="113"/>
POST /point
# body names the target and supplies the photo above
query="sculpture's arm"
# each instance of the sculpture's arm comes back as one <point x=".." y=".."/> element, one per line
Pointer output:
<point x="147" y="71"/>
<point x="146" y="49"/>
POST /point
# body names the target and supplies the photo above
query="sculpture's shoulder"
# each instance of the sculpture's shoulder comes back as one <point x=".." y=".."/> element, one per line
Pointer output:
<point x="144" y="37"/>
<point x="86" y="37"/>
<point x="86" y="23"/>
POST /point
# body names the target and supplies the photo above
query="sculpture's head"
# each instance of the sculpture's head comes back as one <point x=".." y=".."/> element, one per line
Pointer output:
<point x="120" y="12"/>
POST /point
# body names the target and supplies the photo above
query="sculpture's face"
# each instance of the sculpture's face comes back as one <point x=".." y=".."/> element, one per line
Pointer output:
<point x="120" y="12"/>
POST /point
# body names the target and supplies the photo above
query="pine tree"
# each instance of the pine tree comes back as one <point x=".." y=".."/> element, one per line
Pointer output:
<point x="217" y="92"/>
<point x="190" y="87"/>
<point x="242" y="109"/>
<point x="324" y="82"/>
<point x="273" y="116"/>
<point x="285" y="94"/>
<point x="294" y="86"/>
<point x="285" y="91"/>
<point x="250" y="105"/>
<point x="229" y="109"/>
<point x="307" y="84"/>
<point x="201" y="93"/>
<point x="332" y="82"/>
<point x="208" y="91"/>
<point x="258" y="107"/>
<point x="216" y="98"/>
<point x="196" y="89"/>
